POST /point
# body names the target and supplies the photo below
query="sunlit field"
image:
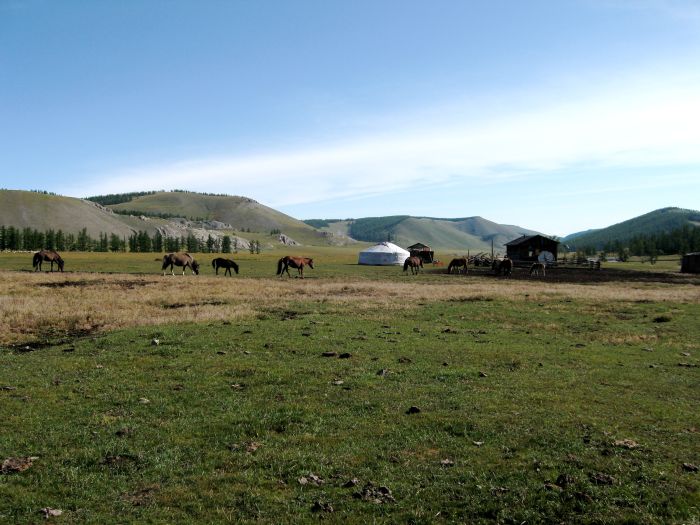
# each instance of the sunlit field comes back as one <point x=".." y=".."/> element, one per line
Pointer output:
<point x="357" y="394"/>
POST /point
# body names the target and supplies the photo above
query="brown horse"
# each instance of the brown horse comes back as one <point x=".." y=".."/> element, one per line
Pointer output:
<point x="503" y="267"/>
<point x="536" y="268"/>
<point x="48" y="256"/>
<point x="414" y="263"/>
<point x="295" y="262"/>
<point x="180" y="259"/>
<point x="220" y="262"/>
<point x="460" y="264"/>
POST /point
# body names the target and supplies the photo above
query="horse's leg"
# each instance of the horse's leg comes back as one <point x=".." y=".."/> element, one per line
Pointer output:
<point x="228" y="270"/>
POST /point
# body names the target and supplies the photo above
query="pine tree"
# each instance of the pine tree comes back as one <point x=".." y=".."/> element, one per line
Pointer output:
<point x="226" y="244"/>
<point x="114" y="243"/>
<point x="60" y="240"/>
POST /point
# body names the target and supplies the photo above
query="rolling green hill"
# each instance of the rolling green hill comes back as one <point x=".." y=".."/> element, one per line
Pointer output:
<point x="242" y="213"/>
<point x="472" y="233"/>
<point x="659" y="221"/>
<point x="28" y="209"/>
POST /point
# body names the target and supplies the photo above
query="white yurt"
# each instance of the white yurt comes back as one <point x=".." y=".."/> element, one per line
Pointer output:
<point x="383" y="254"/>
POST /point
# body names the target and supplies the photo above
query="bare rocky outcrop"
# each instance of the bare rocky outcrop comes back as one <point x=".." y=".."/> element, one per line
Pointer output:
<point x="288" y="241"/>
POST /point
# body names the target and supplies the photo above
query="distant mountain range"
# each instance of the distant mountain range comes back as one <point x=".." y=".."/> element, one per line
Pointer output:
<point x="471" y="233"/>
<point x="179" y="213"/>
<point x="664" y="220"/>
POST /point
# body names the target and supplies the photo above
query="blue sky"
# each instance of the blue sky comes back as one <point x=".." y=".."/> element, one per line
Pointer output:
<point x="554" y="115"/>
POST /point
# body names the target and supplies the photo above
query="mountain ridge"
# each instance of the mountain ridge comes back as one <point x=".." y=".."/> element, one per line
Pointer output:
<point x="662" y="220"/>
<point x="177" y="213"/>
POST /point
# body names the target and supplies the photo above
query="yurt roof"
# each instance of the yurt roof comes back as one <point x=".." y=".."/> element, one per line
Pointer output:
<point x="385" y="247"/>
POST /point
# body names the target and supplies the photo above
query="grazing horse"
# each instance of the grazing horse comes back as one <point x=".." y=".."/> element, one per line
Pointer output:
<point x="460" y="264"/>
<point x="48" y="256"/>
<point x="414" y="263"/>
<point x="503" y="267"/>
<point x="220" y="262"/>
<point x="536" y="268"/>
<point x="295" y="262"/>
<point x="180" y="259"/>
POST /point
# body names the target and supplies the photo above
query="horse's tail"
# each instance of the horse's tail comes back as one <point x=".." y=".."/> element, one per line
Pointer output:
<point x="449" y="267"/>
<point x="166" y="262"/>
<point x="213" y="263"/>
<point x="35" y="260"/>
<point x="405" y="265"/>
<point x="279" y="266"/>
<point x="235" y="267"/>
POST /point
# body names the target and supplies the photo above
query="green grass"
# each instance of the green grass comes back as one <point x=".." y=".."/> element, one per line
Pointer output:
<point x="666" y="263"/>
<point x="564" y="380"/>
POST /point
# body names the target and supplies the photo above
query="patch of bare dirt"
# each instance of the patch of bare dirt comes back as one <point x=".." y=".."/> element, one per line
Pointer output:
<point x="586" y="275"/>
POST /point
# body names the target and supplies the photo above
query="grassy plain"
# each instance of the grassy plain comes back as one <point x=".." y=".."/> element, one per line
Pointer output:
<point x="523" y="388"/>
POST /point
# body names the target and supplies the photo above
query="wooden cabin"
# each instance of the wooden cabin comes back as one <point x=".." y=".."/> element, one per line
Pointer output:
<point x="529" y="247"/>
<point x="690" y="263"/>
<point x="421" y="250"/>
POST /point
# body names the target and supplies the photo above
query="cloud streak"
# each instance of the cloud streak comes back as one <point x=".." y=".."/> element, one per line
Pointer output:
<point x="638" y="123"/>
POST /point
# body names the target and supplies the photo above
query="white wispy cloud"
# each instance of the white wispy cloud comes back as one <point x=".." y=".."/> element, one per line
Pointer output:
<point x="641" y="121"/>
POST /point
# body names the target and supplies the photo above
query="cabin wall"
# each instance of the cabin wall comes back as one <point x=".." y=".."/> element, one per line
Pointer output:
<point x="529" y="250"/>
<point x="690" y="264"/>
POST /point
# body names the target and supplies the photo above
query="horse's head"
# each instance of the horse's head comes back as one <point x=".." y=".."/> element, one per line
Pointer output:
<point x="60" y="263"/>
<point x="195" y="267"/>
<point x="310" y="262"/>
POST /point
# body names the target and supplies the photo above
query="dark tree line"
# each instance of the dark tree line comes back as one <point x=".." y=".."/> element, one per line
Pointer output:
<point x="118" y="198"/>
<point x="678" y="241"/>
<point x="12" y="238"/>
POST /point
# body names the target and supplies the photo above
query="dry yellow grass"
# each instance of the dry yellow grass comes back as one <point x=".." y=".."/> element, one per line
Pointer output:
<point x="39" y="304"/>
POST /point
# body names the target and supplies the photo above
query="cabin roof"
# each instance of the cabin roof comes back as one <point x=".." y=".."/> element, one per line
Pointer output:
<point x="527" y="238"/>
<point x="419" y="246"/>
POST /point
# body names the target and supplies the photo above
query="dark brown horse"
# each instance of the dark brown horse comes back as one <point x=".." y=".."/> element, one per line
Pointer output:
<point x="295" y="262"/>
<point x="180" y="259"/>
<point x="48" y="256"/>
<point x="414" y="263"/>
<point x="220" y="262"/>
<point x="503" y="267"/>
<point x="460" y="264"/>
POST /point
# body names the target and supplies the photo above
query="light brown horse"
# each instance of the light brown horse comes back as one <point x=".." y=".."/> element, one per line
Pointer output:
<point x="220" y="262"/>
<point x="460" y="264"/>
<point x="414" y="263"/>
<point x="295" y="262"/>
<point x="48" y="256"/>
<point x="180" y="259"/>
<point x="537" y="268"/>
